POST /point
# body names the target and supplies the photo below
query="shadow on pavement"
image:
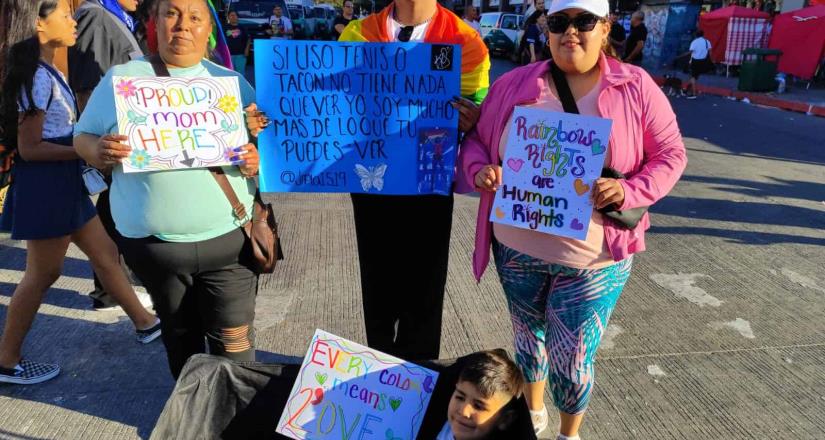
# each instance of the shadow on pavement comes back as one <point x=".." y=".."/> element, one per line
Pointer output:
<point x="105" y="373"/>
<point x="14" y="258"/>
<point x="792" y="189"/>
<point x="14" y="436"/>
<point x="739" y="237"/>
<point x="741" y="212"/>
<point x="797" y="138"/>
<point x="67" y="298"/>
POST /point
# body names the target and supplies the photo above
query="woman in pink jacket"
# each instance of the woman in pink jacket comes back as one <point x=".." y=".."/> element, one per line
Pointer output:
<point x="561" y="291"/>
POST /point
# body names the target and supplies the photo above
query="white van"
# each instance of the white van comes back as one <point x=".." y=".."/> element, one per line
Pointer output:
<point x="501" y="32"/>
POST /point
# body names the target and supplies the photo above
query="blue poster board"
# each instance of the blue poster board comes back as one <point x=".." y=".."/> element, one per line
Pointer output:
<point x="357" y="117"/>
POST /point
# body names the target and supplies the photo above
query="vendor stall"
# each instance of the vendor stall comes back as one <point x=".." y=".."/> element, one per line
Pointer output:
<point x="800" y="35"/>
<point x="733" y="29"/>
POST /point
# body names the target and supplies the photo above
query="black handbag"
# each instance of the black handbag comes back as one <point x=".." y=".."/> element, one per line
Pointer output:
<point x="627" y="218"/>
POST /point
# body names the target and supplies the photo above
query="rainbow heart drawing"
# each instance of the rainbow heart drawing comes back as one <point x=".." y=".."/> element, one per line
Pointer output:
<point x="576" y="225"/>
<point x="321" y="378"/>
<point x="395" y="402"/>
<point x="515" y="164"/>
<point x="581" y="187"/>
<point x="597" y="148"/>
<point x="499" y="213"/>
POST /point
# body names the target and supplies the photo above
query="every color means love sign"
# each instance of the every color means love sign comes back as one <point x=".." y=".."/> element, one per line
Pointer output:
<point x="175" y="123"/>
<point x="347" y="391"/>
<point x="551" y="162"/>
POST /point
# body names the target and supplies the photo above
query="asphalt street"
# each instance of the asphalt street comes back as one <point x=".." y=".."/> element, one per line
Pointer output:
<point x="719" y="333"/>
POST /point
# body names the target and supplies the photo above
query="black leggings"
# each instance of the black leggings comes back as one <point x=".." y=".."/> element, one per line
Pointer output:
<point x="403" y="249"/>
<point x="201" y="289"/>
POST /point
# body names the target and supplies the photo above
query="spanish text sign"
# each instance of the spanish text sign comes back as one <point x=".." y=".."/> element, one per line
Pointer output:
<point x="357" y="117"/>
<point x="175" y="123"/>
<point x="346" y="390"/>
<point x="550" y="164"/>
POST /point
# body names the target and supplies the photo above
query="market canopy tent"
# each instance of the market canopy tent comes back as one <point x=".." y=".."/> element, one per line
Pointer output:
<point x="800" y="35"/>
<point x="733" y="29"/>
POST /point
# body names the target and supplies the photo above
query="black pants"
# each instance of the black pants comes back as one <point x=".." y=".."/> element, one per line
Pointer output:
<point x="104" y="212"/>
<point x="200" y="290"/>
<point x="403" y="249"/>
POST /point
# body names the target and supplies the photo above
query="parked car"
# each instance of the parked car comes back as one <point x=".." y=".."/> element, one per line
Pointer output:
<point x="300" y="13"/>
<point x="253" y="16"/>
<point x="501" y="32"/>
<point x="324" y="16"/>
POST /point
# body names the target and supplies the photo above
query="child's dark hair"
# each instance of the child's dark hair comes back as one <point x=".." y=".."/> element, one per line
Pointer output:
<point x="493" y="371"/>
<point x="21" y="50"/>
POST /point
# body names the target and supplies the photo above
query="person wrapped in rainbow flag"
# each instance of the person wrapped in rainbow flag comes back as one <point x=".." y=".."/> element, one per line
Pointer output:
<point x="404" y="262"/>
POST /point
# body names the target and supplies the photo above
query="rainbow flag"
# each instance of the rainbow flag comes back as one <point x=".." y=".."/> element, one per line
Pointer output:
<point x="445" y="28"/>
<point x="217" y="41"/>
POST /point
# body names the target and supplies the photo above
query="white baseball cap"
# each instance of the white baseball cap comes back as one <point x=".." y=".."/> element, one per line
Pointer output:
<point x="599" y="8"/>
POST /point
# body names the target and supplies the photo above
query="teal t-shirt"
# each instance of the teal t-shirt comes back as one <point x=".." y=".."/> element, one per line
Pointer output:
<point x="179" y="205"/>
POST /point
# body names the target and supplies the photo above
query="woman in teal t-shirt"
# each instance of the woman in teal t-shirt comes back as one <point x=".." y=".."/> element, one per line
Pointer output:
<point x="180" y="235"/>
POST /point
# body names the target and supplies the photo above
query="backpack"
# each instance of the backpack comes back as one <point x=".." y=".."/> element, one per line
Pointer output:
<point x="8" y="149"/>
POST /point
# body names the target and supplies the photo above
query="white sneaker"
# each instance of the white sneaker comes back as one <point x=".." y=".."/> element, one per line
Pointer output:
<point x="144" y="299"/>
<point x="540" y="419"/>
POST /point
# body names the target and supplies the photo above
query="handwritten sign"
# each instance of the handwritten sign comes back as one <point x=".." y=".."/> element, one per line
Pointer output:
<point x="357" y="117"/>
<point x="346" y="390"/>
<point x="549" y="167"/>
<point x="175" y="123"/>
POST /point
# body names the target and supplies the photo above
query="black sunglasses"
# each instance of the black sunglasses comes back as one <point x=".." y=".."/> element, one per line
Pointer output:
<point x="584" y="22"/>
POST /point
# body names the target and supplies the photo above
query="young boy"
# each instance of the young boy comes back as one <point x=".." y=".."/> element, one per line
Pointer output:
<point x="482" y="405"/>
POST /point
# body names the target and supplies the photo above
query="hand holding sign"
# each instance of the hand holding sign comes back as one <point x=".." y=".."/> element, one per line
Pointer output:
<point x="607" y="192"/>
<point x="488" y="178"/>
<point x="110" y="151"/>
<point x="247" y="158"/>
<point x="256" y="120"/>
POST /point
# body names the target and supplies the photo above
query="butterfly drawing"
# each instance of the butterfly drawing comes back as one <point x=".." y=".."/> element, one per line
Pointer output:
<point x="372" y="177"/>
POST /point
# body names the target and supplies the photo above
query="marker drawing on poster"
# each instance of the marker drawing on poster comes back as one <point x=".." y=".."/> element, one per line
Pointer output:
<point x="347" y="390"/>
<point x="179" y="123"/>
<point x="358" y="117"/>
<point x="550" y="164"/>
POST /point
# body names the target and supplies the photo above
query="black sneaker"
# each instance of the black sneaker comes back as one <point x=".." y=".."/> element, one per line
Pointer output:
<point x="28" y="373"/>
<point x="150" y="334"/>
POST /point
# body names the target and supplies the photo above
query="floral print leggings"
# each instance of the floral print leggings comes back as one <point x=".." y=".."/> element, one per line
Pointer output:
<point x="559" y="315"/>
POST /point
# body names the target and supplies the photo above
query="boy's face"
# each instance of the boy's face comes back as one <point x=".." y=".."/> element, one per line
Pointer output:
<point x="473" y="416"/>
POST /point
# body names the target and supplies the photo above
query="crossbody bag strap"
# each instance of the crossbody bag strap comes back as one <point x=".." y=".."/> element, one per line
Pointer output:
<point x="238" y="209"/>
<point x="563" y="89"/>
<point x="159" y="66"/>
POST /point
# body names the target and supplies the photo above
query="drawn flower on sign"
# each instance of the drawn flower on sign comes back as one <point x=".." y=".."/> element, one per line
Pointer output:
<point x="228" y="104"/>
<point x="139" y="159"/>
<point x="125" y="89"/>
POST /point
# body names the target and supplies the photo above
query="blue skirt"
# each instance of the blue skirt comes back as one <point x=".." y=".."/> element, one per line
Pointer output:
<point x="47" y="199"/>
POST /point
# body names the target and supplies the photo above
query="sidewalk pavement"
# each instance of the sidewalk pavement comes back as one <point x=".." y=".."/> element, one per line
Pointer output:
<point x="800" y="96"/>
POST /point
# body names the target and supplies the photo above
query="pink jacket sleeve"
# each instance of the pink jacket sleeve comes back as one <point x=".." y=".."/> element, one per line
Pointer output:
<point x="475" y="149"/>
<point x="664" y="152"/>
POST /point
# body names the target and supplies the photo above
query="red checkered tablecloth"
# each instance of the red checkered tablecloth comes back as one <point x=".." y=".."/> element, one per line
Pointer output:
<point x="744" y="33"/>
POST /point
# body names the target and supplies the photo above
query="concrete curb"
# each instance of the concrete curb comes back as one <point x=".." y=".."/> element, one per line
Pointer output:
<point x="758" y="98"/>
